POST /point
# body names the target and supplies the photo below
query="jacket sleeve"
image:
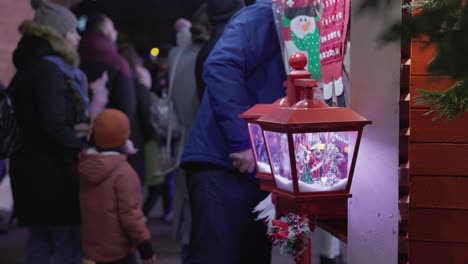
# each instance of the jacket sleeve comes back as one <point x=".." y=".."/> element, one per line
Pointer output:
<point x="51" y="89"/>
<point x="129" y="206"/>
<point x="242" y="49"/>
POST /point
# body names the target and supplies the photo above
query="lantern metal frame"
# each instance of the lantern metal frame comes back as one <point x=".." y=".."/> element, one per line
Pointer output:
<point x="267" y="182"/>
<point x="290" y="121"/>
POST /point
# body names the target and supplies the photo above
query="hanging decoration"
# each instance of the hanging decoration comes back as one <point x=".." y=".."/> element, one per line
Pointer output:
<point x="291" y="235"/>
<point x="318" y="29"/>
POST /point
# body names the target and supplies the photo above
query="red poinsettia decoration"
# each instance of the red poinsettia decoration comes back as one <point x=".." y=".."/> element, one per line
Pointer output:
<point x="290" y="234"/>
<point x="282" y="229"/>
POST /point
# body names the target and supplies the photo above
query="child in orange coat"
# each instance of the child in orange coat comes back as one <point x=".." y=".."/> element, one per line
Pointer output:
<point x="110" y="196"/>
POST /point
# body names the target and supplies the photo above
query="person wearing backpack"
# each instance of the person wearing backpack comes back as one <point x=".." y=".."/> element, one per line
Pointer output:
<point x="50" y="102"/>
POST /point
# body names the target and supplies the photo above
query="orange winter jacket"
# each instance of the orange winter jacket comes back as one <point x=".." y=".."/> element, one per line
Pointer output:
<point x="110" y="197"/>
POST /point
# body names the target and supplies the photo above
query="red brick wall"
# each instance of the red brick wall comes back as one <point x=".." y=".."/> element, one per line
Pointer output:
<point x="12" y="12"/>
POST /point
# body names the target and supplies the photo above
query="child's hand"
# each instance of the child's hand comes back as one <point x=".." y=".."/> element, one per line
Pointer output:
<point x="151" y="260"/>
<point x="129" y="148"/>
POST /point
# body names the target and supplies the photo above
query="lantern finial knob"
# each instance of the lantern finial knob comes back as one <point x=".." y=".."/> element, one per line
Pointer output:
<point x="298" y="61"/>
<point x="308" y="101"/>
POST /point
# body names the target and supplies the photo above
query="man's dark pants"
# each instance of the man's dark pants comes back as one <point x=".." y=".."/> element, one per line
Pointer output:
<point x="224" y="229"/>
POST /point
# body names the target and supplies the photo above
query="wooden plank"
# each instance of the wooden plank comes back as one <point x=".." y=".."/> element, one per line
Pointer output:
<point x="404" y="110"/>
<point x="336" y="227"/>
<point x="424" y="129"/>
<point x="404" y="182"/>
<point x="405" y="75"/>
<point x="439" y="159"/>
<point x="403" y="245"/>
<point x="403" y="206"/>
<point x="422" y="252"/>
<point x="421" y="54"/>
<point x="442" y="225"/>
<point x="439" y="192"/>
<point x="404" y="145"/>
<point x="431" y="83"/>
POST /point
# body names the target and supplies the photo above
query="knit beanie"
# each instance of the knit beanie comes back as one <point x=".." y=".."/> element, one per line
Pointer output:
<point x="111" y="129"/>
<point x="54" y="16"/>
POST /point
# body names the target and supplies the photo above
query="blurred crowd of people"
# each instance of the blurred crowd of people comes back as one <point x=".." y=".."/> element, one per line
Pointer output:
<point x="103" y="138"/>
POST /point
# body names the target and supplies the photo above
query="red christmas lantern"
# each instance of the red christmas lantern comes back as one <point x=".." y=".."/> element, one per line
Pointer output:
<point x="312" y="150"/>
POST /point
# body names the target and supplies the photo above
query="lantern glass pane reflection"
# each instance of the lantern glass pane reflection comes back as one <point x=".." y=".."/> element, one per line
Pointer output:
<point x="323" y="160"/>
<point x="277" y="144"/>
<point x="263" y="165"/>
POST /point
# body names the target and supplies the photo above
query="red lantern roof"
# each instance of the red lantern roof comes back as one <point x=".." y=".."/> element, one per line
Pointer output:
<point x="257" y="111"/>
<point x="287" y="119"/>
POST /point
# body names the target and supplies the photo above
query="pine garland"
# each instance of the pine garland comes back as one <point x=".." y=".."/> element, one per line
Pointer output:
<point x="452" y="103"/>
<point x="445" y="24"/>
<point x="291" y="234"/>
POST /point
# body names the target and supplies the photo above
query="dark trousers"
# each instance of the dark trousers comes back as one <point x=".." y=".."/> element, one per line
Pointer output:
<point x="165" y="190"/>
<point x="127" y="260"/>
<point x="62" y="242"/>
<point x="224" y="229"/>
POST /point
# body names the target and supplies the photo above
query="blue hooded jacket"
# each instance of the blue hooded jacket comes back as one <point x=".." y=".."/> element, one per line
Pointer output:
<point x="245" y="68"/>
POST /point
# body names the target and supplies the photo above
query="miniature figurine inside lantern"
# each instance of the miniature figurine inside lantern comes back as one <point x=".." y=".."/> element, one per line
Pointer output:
<point x="322" y="159"/>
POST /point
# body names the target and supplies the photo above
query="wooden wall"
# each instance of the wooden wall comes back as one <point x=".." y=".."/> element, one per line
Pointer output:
<point x="438" y="173"/>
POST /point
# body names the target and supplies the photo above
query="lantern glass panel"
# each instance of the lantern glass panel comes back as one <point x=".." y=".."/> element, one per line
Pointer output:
<point x="323" y="160"/>
<point x="277" y="144"/>
<point x="263" y="165"/>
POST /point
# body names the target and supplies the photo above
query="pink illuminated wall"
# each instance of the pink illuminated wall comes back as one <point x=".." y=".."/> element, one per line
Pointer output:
<point x="374" y="93"/>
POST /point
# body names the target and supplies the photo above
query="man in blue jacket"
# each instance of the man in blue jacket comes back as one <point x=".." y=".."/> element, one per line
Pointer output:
<point x="245" y="68"/>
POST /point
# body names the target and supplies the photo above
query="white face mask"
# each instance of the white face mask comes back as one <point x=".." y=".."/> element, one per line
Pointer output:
<point x="184" y="37"/>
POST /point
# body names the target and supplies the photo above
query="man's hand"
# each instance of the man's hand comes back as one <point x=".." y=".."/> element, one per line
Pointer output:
<point x="151" y="260"/>
<point x="243" y="161"/>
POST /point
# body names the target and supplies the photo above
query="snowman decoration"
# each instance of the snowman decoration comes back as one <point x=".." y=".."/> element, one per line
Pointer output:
<point x="301" y="16"/>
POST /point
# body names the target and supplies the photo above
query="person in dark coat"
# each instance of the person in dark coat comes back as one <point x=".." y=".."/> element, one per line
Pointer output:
<point x="50" y="104"/>
<point x="142" y="128"/>
<point x="244" y="68"/>
<point x="98" y="49"/>
<point x="219" y="13"/>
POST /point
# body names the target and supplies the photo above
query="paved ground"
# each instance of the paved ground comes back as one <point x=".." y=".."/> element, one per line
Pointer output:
<point x="12" y="245"/>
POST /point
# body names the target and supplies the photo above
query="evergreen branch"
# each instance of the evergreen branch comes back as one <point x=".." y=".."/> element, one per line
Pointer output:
<point x="451" y="103"/>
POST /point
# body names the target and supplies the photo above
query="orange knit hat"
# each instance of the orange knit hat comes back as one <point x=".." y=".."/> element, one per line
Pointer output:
<point x="111" y="129"/>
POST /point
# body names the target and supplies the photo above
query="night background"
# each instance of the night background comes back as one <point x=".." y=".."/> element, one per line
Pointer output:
<point x="145" y="23"/>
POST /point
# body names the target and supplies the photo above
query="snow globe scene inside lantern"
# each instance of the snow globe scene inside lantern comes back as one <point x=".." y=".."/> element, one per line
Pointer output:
<point x="323" y="160"/>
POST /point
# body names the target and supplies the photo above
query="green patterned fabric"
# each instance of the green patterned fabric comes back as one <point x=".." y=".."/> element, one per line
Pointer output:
<point x="311" y="44"/>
